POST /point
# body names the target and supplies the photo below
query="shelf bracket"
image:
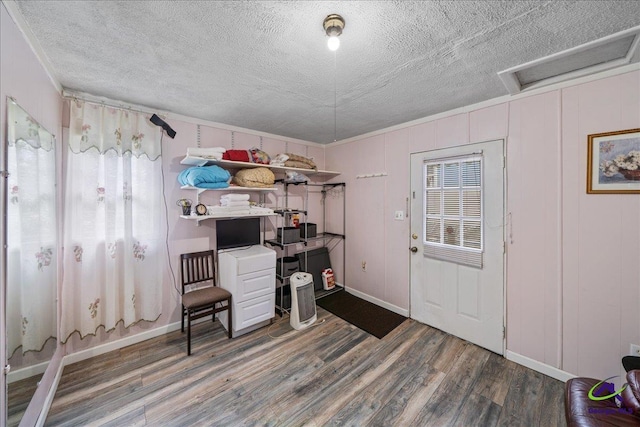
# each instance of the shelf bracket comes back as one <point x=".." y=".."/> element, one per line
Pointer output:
<point x="199" y="191"/>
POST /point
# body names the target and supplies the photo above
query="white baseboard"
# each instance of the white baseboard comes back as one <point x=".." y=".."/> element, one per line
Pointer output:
<point x="38" y="407"/>
<point x="28" y="372"/>
<point x="50" y="395"/>
<point x="543" y="368"/>
<point x="376" y="301"/>
<point x="117" y="344"/>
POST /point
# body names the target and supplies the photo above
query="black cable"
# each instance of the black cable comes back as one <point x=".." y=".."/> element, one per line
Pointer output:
<point x="166" y="218"/>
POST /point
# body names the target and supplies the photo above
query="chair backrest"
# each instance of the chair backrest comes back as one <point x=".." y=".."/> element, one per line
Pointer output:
<point x="197" y="267"/>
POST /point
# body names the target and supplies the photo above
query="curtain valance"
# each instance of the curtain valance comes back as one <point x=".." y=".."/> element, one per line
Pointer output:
<point x="25" y="129"/>
<point x="104" y="128"/>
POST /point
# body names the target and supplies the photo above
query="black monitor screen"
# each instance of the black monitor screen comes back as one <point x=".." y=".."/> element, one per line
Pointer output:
<point x="235" y="233"/>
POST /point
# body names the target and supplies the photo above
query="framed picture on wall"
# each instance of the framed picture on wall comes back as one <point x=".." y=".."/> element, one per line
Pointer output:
<point x="613" y="164"/>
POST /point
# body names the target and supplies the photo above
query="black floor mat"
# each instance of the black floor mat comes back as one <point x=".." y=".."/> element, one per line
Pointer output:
<point x="367" y="316"/>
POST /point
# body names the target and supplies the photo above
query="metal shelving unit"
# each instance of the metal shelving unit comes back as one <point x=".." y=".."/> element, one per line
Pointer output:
<point x="284" y="215"/>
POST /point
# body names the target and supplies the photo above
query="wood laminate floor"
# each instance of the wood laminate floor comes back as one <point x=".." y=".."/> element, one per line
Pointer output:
<point x="330" y="374"/>
<point x="19" y="395"/>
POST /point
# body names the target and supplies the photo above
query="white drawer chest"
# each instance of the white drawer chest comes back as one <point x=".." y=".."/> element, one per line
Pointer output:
<point x="250" y="275"/>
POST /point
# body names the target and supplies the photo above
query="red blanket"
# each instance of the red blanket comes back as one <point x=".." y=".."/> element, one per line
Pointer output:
<point x="236" y="155"/>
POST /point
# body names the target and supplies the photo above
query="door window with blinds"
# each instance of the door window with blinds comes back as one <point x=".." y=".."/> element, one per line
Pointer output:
<point x="453" y="210"/>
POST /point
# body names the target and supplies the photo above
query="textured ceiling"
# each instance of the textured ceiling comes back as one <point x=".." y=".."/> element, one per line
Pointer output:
<point x="264" y="65"/>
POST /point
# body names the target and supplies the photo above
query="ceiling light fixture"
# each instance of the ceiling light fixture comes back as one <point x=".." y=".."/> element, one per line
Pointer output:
<point x="333" y="26"/>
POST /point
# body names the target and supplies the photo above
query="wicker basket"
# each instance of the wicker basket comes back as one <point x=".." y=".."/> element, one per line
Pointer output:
<point x="630" y="175"/>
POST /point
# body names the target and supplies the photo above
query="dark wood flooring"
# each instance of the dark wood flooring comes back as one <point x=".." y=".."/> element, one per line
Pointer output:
<point x="329" y="374"/>
<point x="19" y="395"/>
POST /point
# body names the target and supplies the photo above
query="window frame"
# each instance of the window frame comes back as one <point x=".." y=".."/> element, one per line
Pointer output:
<point x="457" y="253"/>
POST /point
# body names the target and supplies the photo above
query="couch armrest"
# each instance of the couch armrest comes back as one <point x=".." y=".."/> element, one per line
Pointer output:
<point x="581" y="411"/>
<point x="631" y="394"/>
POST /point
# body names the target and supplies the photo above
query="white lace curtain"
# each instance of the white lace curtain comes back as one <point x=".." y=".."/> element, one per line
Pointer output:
<point x="31" y="233"/>
<point x="114" y="249"/>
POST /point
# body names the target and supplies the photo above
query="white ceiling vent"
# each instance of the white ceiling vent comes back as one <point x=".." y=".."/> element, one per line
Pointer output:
<point x="609" y="52"/>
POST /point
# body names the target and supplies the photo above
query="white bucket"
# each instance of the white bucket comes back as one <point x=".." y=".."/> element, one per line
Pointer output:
<point x="328" y="279"/>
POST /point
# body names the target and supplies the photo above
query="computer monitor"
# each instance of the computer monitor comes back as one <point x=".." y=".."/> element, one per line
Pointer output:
<point x="239" y="232"/>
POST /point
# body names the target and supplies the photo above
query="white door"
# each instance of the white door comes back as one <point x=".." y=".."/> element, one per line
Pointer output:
<point x="457" y="241"/>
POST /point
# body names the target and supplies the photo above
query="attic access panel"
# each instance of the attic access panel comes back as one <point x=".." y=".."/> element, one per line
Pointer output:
<point x="609" y="52"/>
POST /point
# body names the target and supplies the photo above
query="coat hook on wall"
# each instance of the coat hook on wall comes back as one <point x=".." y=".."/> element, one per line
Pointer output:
<point x="371" y="175"/>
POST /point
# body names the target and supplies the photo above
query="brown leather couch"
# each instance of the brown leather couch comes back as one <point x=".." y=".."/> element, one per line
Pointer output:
<point x="582" y="411"/>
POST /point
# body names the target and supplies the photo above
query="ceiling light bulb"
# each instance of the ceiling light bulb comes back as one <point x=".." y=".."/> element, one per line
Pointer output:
<point x="333" y="26"/>
<point x="333" y="43"/>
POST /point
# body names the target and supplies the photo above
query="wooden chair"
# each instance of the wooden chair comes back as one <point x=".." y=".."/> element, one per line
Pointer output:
<point x="198" y="268"/>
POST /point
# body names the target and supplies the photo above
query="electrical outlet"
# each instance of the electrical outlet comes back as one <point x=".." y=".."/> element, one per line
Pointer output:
<point x="635" y="350"/>
<point x="399" y="216"/>
<point x="364" y="265"/>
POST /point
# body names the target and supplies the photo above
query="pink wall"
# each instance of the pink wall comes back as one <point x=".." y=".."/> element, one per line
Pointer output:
<point x="573" y="282"/>
<point x="533" y="199"/>
<point x="601" y="234"/>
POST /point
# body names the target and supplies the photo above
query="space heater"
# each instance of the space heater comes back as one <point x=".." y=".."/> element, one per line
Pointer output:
<point x="303" y="301"/>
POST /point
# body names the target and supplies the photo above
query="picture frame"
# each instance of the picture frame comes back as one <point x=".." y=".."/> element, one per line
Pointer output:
<point x="613" y="162"/>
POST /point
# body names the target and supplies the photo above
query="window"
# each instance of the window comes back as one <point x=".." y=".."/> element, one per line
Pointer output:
<point x="453" y="210"/>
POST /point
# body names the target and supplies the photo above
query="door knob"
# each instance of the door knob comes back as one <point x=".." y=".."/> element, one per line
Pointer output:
<point x="414" y="249"/>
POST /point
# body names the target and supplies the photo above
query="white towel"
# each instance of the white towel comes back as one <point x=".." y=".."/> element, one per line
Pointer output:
<point x="257" y="210"/>
<point x="235" y="197"/>
<point x="234" y="203"/>
<point x="214" y="210"/>
<point x="207" y="153"/>
<point x="228" y="208"/>
<point x="233" y="213"/>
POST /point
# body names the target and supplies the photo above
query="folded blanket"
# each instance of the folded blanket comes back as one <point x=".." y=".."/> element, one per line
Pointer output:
<point x="254" y="177"/>
<point x="205" y="177"/>
<point x="236" y="156"/>
<point x="279" y="160"/>
<point x="235" y="197"/>
<point x="212" y="185"/>
<point x="206" y="153"/>
<point x="293" y="176"/>
<point x="296" y="164"/>
<point x="302" y="159"/>
<point x="213" y="156"/>
<point x="259" y="156"/>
